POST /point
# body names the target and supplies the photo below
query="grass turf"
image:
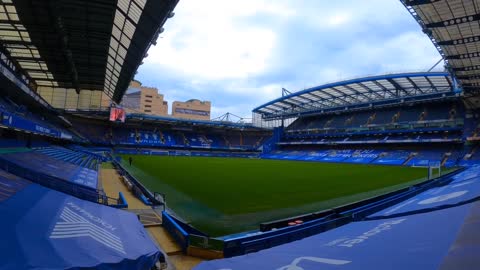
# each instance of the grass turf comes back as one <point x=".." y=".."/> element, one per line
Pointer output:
<point x="230" y="195"/>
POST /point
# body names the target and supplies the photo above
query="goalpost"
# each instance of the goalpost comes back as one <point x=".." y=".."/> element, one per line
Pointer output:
<point x="434" y="167"/>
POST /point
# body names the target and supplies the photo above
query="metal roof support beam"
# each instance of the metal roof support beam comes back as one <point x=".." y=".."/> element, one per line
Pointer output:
<point x="290" y="103"/>
<point x="415" y="86"/>
<point x="398" y="88"/>
<point x="62" y="34"/>
<point x="419" y="2"/>
<point x="330" y="95"/>
<point x="459" y="41"/>
<point x="370" y="90"/>
<point x="311" y="106"/>
<point x="302" y="97"/>
<point x="468" y="77"/>
<point x="431" y="84"/>
<point x="357" y="93"/>
<point x="277" y="106"/>
<point x="455" y="21"/>
<point x="463" y="56"/>
<point x="383" y="88"/>
<point x="469" y="68"/>
<point x="346" y="96"/>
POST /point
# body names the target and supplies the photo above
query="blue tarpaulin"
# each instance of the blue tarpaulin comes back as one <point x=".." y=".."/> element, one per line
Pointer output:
<point x="46" y="229"/>
<point x="54" y="167"/>
<point x="432" y="240"/>
<point x="464" y="187"/>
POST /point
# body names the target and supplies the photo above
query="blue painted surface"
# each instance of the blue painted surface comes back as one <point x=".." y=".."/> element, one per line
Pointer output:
<point x="463" y="187"/>
<point x="412" y="242"/>
<point x="46" y="229"/>
<point x="53" y="167"/>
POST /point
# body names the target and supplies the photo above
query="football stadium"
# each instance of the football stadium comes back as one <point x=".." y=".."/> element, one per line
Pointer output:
<point x="374" y="172"/>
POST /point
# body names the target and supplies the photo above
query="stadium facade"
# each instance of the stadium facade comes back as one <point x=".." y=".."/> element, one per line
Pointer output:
<point x="65" y="64"/>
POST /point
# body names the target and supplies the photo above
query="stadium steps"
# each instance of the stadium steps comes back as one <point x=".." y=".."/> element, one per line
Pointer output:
<point x="227" y="143"/>
<point x="259" y="142"/>
<point x="410" y="157"/>
<point x="148" y="217"/>
<point x="84" y="162"/>
<point x="92" y="164"/>
<point x="89" y="164"/>
<point x="164" y="240"/>
<point x="474" y="150"/>
<point x="206" y="141"/>
<point x="444" y="160"/>
<point x="113" y="184"/>
<point x="185" y="140"/>
<point x="162" y="137"/>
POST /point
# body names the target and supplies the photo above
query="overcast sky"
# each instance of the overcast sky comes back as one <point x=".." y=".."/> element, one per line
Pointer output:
<point x="239" y="54"/>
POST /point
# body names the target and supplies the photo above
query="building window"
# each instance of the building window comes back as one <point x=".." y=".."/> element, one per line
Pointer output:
<point x="148" y="110"/>
<point x="148" y="106"/>
<point x="149" y="96"/>
<point x="148" y="101"/>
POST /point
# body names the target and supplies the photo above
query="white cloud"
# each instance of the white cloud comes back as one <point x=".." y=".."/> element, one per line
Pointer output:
<point x="204" y="41"/>
<point x="339" y="19"/>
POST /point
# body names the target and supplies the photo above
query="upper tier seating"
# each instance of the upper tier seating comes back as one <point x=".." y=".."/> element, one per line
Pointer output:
<point x="381" y="117"/>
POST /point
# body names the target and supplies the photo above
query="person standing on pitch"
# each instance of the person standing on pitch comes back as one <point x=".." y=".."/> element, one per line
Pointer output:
<point x="130" y="160"/>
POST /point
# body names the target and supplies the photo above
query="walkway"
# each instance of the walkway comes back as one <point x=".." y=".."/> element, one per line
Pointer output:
<point x="112" y="185"/>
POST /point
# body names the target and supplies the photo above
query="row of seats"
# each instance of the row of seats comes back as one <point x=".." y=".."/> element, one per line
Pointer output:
<point x="7" y="105"/>
<point x="78" y="158"/>
<point x="376" y="156"/>
<point x="417" y="113"/>
<point x="452" y="136"/>
<point x="44" y="166"/>
<point x="157" y="152"/>
<point x="122" y="135"/>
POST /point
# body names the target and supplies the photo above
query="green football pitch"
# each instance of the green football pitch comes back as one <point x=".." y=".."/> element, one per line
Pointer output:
<point x="224" y="195"/>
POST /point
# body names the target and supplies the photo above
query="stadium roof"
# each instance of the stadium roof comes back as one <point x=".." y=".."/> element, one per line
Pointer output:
<point x="73" y="50"/>
<point x="368" y="91"/>
<point x="454" y="28"/>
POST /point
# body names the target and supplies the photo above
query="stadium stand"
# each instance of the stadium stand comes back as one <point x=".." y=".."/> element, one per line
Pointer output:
<point x="414" y="133"/>
<point x="163" y="135"/>
<point x="81" y="159"/>
<point x="18" y="116"/>
<point x="392" y="120"/>
<point x="410" y="156"/>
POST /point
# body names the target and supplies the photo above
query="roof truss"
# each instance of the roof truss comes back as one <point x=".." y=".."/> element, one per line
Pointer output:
<point x="454" y="28"/>
<point x="359" y="91"/>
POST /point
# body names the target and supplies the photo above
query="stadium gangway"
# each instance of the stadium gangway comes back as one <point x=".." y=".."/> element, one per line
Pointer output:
<point x="155" y="198"/>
